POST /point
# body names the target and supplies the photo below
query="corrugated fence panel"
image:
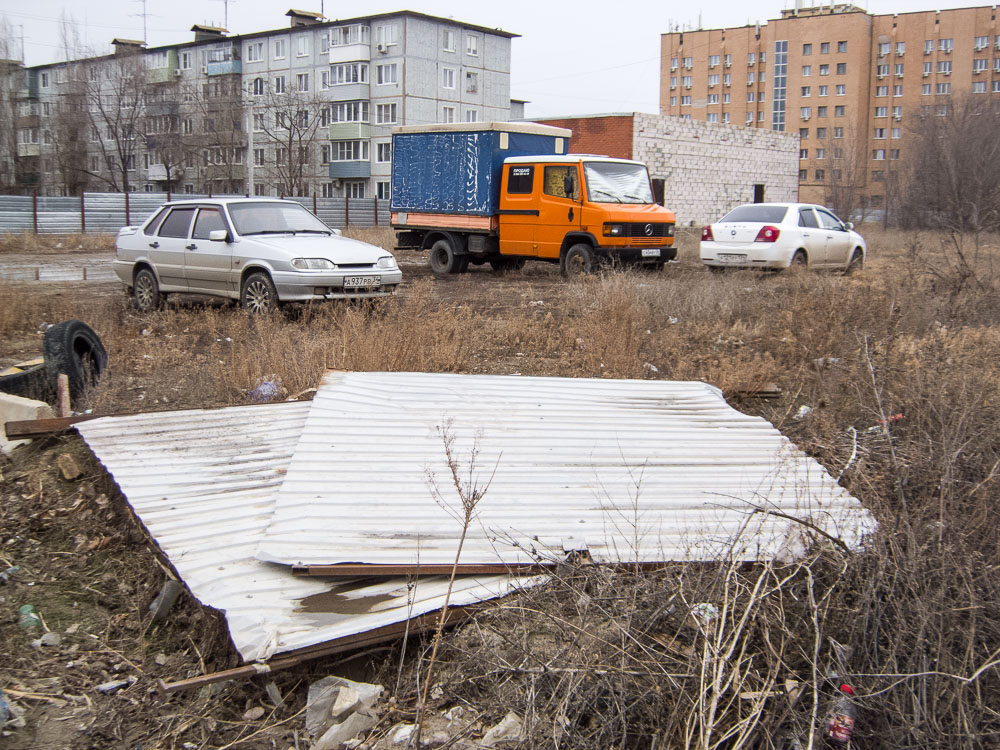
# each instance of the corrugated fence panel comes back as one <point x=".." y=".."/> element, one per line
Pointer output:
<point x="105" y="212"/>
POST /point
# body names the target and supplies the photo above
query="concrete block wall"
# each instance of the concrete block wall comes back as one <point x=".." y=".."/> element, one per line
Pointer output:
<point x="708" y="169"/>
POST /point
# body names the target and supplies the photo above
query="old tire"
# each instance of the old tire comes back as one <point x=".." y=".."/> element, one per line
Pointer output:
<point x="31" y="383"/>
<point x="444" y="259"/>
<point x="72" y="348"/>
<point x="577" y="261"/>
<point x="856" y="263"/>
<point x="258" y="295"/>
<point x="146" y="291"/>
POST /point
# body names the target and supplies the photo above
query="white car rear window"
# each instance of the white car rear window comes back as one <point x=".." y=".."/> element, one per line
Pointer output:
<point x="758" y="213"/>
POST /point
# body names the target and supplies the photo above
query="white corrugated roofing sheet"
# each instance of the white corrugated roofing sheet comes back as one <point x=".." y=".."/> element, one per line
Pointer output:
<point x="203" y="483"/>
<point x="630" y="470"/>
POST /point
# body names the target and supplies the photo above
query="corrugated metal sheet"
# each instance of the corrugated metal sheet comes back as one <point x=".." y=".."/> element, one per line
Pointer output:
<point x="203" y="484"/>
<point x="630" y="470"/>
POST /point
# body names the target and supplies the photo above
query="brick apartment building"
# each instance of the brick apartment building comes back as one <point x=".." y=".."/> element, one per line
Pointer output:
<point x="848" y="82"/>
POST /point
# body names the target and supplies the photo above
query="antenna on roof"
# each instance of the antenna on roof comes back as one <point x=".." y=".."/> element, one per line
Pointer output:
<point x="144" y="15"/>
<point x="225" y="6"/>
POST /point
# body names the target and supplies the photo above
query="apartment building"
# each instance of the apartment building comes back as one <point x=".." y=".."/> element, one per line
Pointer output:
<point x="848" y="82"/>
<point x="307" y="109"/>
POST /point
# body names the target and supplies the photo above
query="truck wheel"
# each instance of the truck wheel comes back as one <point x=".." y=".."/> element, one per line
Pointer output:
<point x="577" y="261"/>
<point x="444" y="260"/>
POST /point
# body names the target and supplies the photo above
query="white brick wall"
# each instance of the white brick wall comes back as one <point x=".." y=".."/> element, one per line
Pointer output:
<point x="708" y="169"/>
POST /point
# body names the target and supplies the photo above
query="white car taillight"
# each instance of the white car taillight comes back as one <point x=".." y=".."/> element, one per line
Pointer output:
<point x="706" y="234"/>
<point x="767" y="234"/>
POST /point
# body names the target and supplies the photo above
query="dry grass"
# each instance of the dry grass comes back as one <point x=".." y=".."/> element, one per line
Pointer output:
<point x="597" y="654"/>
<point x="51" y="244"/>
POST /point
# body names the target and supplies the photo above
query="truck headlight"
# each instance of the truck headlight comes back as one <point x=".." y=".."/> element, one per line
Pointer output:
<point x="614" y="230"/>
<point x="313" y="264"/>
<point x="387" y="262"/>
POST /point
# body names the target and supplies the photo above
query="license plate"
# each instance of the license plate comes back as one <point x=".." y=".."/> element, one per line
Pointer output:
<point x="651" y="252"/>
<point x="732" y="258"/>
<point x="362" y="282"/>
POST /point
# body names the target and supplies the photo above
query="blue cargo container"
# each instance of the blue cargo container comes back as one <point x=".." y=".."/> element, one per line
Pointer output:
<point x="456" y="169"/>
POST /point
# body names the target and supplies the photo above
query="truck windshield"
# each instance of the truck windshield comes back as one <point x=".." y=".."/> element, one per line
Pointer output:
<point x="612" y="182"/>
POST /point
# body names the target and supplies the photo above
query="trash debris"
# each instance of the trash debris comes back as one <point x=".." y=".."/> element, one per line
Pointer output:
<point x="672" y="320"/>
<point x="508" y="729"/>
<point x="269" y="388"/>
<point x="332" y="705"/>
<point x="27" y="617"/>
<point x="537" y="303"/>
<point x="6" y="575"/>
<point x="68" y="467"/>
<point x="115" y="685"/>
<point x="882" y="423"/>
<point x="803" y="412"/>
<point x="161" y="605"/>
<point x="274" y="694"/>
<point x="400" y="734"/>
<point x="840" y="723"/>
<point x="254" y="713"/>
<point x="160" y="659"/>
<point x="48" y="639"/>
<point x="824" y="362"/>
<point x="651" y="367"/>
<point x="702" y="615"/>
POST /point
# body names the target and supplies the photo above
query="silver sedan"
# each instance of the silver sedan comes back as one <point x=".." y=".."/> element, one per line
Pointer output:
<point x="261" y="252"/>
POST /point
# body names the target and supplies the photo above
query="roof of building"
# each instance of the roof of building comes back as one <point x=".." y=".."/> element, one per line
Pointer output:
<point x="529" y="128"/>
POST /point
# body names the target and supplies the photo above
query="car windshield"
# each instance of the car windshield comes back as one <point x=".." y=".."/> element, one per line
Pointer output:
<point x="614" y="182"/>
<point x="273" y="217"/>
<point x="759" y="213"/>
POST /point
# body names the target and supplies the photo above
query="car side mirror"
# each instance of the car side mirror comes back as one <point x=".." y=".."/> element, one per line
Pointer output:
<point x="218" y="235"/>
<point x="849" y="226"/>
<point x="568" y="186"/>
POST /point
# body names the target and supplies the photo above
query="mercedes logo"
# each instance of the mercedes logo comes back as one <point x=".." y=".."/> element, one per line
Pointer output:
<point x="649" y="230"/>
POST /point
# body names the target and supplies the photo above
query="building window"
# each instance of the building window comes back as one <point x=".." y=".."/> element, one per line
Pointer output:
<point x="713" y="79"/>
<point x="841" y="46"/>
<point x="806" y="71"/>
<point x="820" y="174"/>
<point x="896" y="132"/>
<point x="383" y="190"/>
<point x="686" y="81"/>
<point x="805" y="112"/>
<point x="838" y="133"/>
<point x="385" y="74"/>
<point x="881" y="91"/>
<point x="279" y="49"/>
<point x="673" y="101"/>
<point x="471" y="115"/>
<point x="258" y="157"/>
<point x="942" y="88"/>
<point x="471" y="83"/>
<point x="714" y="60"/>
<point x="385" y="36"/>
<point x="883" y="48"/>
<point x="712" y="117"/>
<point x="897" y="90"/>
<point x="349" y="73"/>
<point x="751" y="58"/>
<point x="806" y="90"/>
<point x="803" y="153"/>
<point x="898" y="70"/>
<point x="350" y="151"/>
<point x="713" y="99"/>
<point x="882" y="70"/>
<point x="324" y="153"/>
<point x="881" y="111"/>
<point x="449" y="41"/>
<point x="255" y="51"/>
<point x="980" y="65"/>
<point x="821" y="111"/>
<point x="354" y="189"/>
<point x="673" y="63"/>
<point x="803" y="134"/>
<point x="685" y="101"/>
<point x="727" y="60"/>
<point x="301" y="46"/>
<point x="258" y="121"/>
<point x="945" y="45"/>
<point x="824" y="48"/>
<point x="447" y="78"/>
<point x="750" y="96"/>
<point x="383" y="153"/>
<point x="807" y="49"/>
<point x="996" y="87"/>
<point x="688" y="63"/>
<point x="878" y="134"/>
<point x="302" y="82"/>
<point x="839" y="110"/>
<point x="841" y="89"/>
<point x="944" y="67"/>
<point x="447" y="114"/>
<point x="279" y="84"/>
<point x="824" y="70"/>
<point x="324" y="79"/>
<point x="385" y="114"/>
<point x="725" y="98"/>
<point x="821" y="133"/>
<point x="841" y="69"/>
<point x="824" y="90"/>
<point x="878" y="154"/>
<point x="821" y="153"/>
<point x="472" y="45"/>
<point x="727" y="79"/>
<point x="803" y="174"/>
<point x="750" y="78"/>
<point x="925" y="89"/>
<point x="351" y="111"/>
<point x="894" y="154"/>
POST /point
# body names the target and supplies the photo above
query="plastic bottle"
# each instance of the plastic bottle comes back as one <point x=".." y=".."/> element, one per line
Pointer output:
<point x="28" y="616"/>
<point x="840" y="724"/>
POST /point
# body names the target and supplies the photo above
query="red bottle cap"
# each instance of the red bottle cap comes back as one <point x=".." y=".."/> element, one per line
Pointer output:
<point x="847" y="689"/>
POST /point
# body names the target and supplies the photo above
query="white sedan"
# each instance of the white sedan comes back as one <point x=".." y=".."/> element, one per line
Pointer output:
<point x="779" y="235"/>
<point x="259" y="251"/>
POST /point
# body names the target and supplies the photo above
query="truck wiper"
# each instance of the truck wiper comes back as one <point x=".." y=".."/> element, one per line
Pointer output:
<point x="611" y="195"/>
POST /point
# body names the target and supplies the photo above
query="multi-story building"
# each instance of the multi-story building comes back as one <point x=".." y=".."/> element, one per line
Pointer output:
<point x="302" y="110"/>
<point x="852" y="85"/>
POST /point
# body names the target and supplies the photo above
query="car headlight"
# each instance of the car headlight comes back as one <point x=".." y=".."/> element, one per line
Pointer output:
<point x="313" y="264"/>
<point x="613" y="230"/>
<point x="387" y="262"/>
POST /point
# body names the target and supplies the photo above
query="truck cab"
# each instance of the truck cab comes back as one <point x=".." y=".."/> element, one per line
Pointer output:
<point x="579" y="210"/>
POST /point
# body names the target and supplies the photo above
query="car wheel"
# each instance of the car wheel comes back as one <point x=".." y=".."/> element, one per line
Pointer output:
<point x="857" y="261"/>
<point x="444" y="260"/>
<point x="799" y="260"/>
<point x="73" y="348"/>
<point x="146" y="291"/>
<point x="577" y="261"/>
<point x="258" y="296"/>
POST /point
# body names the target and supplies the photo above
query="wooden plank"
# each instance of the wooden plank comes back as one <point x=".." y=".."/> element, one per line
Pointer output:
<point x="756" y="390"/>
<point x="34" y="428"/>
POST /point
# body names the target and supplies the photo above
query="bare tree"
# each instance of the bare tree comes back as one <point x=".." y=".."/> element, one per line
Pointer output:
<point x="846" y="177"/>
<point x="222" y="140"/>
<point x="11" y="78"/>
<point x="115" y="93"/>
<point x="288" y="121"/>
<point x="953" y="176"/>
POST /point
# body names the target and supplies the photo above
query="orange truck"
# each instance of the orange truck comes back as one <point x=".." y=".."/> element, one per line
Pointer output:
<point x="504" y="193"/>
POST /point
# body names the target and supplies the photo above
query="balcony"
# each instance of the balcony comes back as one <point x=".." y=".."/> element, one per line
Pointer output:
<point x="224" y="172"/>
<point x="348" y="92"/>
<point x="28" y="149"/>
<point x="342" y="53"/>
<point x="350" y="131"/>
<point x="224" y="68"/>
<point x="27" y="121"/>
<point x="350" y="169"/>
<point x="156" y="109"/>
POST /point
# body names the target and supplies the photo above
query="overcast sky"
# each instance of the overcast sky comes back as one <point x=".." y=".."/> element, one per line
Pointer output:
<point x="571" y="58"/>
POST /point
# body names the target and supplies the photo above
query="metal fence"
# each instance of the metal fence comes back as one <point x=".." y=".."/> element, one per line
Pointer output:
<point x="106" y="213"/>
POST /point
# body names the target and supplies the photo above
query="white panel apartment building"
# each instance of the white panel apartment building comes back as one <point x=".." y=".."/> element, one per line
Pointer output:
<point x="307" y="109"/>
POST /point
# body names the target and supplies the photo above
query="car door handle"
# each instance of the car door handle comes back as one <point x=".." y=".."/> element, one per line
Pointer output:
<point x="571" y="214"/>
<point x="192" y="246"/>
<point x="805" y="234"/>
<point x="154" y="245"/>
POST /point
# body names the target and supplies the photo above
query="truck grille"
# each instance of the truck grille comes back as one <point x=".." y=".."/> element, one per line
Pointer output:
<point x="640" y="230"/>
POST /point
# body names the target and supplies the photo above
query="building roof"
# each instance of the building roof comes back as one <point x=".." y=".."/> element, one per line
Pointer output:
<point x="530" y="128"/>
